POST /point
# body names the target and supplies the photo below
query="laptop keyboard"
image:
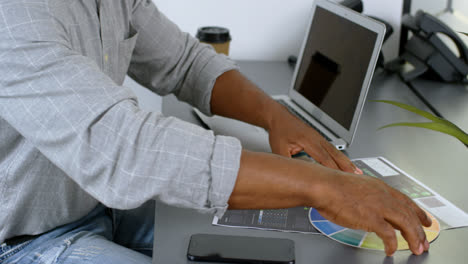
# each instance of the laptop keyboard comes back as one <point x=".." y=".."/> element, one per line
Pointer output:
<point x="294" y="112"/>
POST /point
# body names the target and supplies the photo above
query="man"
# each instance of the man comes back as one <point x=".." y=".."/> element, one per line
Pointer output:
<point x="74" y="143"/>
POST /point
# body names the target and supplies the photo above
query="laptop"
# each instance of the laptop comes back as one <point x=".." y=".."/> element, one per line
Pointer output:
<point x="331" y="78"/>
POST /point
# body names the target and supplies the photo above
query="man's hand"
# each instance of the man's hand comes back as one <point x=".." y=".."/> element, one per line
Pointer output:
<point x="367" y="203"/>
<point x="289" y="135"/>
<point x="353" y="201"/>
<point x="236" y="97"/>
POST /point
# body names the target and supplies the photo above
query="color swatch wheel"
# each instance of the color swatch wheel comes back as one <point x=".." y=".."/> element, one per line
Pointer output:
<point x="363" y="239"/>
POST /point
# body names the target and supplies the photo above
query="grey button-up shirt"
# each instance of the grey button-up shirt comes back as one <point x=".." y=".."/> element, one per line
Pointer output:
<point x="72" y="136"/>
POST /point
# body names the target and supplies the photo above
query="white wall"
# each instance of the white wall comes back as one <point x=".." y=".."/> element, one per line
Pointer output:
<point x="266" y="29"/>
<point x="435" y="7"/>
<point x="461" y="6"/>
<point x="261" y="29"/>
<point x="429" y="6"/>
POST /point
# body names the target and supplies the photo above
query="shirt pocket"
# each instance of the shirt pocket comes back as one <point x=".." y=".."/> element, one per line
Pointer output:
<point x="125" y="51"/>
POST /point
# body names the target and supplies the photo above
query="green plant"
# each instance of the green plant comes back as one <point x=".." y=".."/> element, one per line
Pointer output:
<point x="437" y="124"/>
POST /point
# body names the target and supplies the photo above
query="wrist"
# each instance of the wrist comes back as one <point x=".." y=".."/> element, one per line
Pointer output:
<point x="308" y="182"/>
<point x="272" y="181"/>
<point x="273" y="113"/>
<point x="319" y="187"/>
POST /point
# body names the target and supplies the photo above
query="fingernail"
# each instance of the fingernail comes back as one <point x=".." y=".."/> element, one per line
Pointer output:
<point x="426" y="245"/>
<point x="420" y="249"/>
<point x="358" y="171"/>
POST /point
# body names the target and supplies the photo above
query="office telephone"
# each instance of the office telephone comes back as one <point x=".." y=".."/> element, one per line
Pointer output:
<point x="428" y="54"/>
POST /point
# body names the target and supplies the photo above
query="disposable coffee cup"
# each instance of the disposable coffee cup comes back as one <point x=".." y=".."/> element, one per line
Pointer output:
<point x="218" y="37"/>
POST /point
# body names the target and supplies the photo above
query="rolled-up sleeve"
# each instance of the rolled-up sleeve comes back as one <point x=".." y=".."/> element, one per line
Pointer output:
<point x="167" y="60"/>
<point x="94" y="131"/>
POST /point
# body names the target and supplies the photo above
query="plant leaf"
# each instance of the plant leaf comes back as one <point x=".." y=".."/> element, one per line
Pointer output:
<point x="419" y="112"/>
<point x="412" y="109"/>
<point x="438" y="124"/>
<point x="440" y="127"/>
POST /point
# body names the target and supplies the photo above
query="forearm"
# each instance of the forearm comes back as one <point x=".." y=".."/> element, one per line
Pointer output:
<point x="272" y="181"/>
<point x="236" y="97"/>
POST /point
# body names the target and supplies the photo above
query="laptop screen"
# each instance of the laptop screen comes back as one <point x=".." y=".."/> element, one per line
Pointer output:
<point x="334" y="65"/>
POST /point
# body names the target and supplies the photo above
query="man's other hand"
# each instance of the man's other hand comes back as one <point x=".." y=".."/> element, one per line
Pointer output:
<point x="289" y="135"/>
<point x="269" y="181"/>
<point x="367" y="203"/>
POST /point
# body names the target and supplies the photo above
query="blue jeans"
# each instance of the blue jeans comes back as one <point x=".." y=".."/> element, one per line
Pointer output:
<point x="103" y="236"/>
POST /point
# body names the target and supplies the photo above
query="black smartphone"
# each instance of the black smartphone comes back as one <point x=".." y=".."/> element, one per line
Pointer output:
<point x="240" y="249"/>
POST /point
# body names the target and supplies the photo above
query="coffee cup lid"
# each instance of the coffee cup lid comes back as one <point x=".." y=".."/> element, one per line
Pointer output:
<point x="213" y="34"/>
